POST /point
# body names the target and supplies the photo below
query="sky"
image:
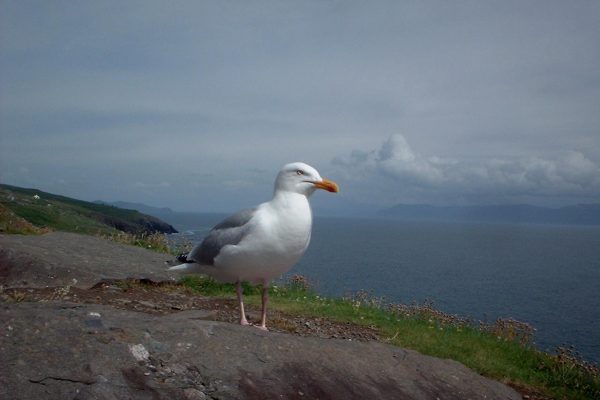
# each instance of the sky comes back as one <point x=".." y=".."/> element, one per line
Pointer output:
<point x="195" y="105"/>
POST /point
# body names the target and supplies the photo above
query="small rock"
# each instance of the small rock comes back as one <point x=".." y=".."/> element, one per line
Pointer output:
<point x="193" y="394"/>
<point x="148" y="304"/>
<point x="177" y="368"/>
<point x="139" y="352"/>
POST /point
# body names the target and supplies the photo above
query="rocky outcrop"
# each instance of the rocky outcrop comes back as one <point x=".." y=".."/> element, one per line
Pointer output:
<point x="74" y="351"/>
<point x="62" y="258"/>
<point x="52" y="348"/>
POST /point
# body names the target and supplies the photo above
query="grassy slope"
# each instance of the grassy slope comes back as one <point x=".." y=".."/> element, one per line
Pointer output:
<point x="12" y="223"/>
<point x="495" y="353"/>
<point x="67" y="214"/>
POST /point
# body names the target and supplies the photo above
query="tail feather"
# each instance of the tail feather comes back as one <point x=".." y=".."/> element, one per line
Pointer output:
<point x="180" y="267"/>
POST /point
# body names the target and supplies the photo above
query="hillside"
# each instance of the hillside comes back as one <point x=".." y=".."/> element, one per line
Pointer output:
<point x="581" y="214"/>
<point x="47" y="210"/>
<point x="181" y="220"/>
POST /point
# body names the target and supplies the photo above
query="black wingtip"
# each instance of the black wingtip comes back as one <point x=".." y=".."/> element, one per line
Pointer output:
<point x="183" y="258"/>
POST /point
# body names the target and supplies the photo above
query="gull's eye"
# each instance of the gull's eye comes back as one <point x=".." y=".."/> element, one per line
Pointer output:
<point x="299" y="172"/>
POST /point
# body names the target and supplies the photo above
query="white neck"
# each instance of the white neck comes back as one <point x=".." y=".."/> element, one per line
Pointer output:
<point x="285" y="198"/>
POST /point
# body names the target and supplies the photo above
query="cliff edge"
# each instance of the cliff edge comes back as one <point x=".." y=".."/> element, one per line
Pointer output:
<point x="69" y="343"/>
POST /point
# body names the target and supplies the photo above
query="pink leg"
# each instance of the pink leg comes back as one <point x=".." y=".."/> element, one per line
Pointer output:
<point x="265" y="300"/>
<point x="238" y="289"/>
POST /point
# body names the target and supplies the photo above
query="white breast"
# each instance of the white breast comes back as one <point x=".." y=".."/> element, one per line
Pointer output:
<point x="278" y="236"/>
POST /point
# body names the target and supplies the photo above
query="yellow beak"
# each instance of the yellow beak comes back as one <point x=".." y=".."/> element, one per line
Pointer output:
<point x="328" y="185"/>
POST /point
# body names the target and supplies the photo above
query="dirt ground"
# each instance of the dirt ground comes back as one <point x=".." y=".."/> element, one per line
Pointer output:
<point x="165" y="298"/>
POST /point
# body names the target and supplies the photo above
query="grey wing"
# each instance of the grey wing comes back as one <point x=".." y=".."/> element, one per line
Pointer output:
<point x="230" y="231"/>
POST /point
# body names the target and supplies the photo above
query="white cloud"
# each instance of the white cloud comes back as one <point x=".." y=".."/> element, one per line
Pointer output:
<point x="406" y="175"/>
<point x="397" y="159"/>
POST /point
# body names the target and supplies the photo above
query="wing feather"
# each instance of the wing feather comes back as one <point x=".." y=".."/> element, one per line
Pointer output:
<point x="230" y="231"/>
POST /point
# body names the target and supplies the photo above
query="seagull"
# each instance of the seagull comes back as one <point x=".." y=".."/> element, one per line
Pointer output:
<point x="259" y="244"/>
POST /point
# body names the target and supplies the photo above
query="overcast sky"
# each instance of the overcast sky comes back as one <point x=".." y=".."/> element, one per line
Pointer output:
<point x="196" y="105"/>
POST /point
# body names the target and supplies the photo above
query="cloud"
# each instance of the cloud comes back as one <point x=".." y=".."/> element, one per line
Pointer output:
<point x="397" y="159"/>
<point x="412" y="176"/>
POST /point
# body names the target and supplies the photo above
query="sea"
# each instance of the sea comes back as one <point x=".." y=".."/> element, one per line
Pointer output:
<point x="545" y="275"/>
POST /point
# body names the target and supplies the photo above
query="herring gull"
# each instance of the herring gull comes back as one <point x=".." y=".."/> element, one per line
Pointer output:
<point x="259" y="244"/>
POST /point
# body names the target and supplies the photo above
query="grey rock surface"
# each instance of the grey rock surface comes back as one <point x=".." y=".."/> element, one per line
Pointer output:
<point x="60" y="350"/>
<point x="54" y="349"/>
<point x="62" y="258"/>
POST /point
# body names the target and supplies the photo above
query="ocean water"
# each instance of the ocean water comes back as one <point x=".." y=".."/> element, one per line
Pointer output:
<point x="546" y="275"/>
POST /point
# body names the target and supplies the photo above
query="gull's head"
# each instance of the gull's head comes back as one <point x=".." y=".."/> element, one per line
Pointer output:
<point x="303" y="179"/>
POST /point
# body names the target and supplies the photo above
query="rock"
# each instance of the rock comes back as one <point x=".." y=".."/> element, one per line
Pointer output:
<point x="47" y="351"/>
<point x="61" y="258"/>
<point x="51" y="348"/>
<point x="193" y="394"/>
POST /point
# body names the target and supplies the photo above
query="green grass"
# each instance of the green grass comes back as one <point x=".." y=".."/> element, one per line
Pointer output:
<point x="60" y="218"/>
<point x="13" y="224"/>
<point x="210" y="287"/>
<point x="501" y="351"/>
